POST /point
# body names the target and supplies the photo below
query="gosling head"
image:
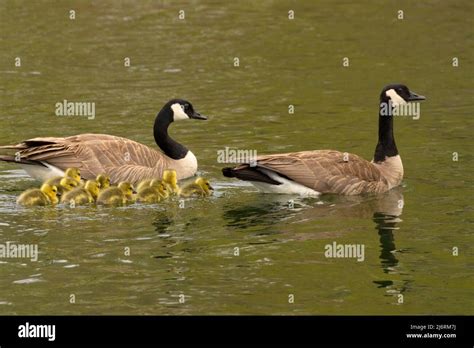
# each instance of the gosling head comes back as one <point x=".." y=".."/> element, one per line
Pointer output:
<point x="398" y="94"/>
<point x="161" y="187"/>
<point x="126" y="188"/>
<point x="93" y="187"/>
<point x="103" y="180"/>
<point x="51" y="191"/>
<point x="205" y="185"/>
<point x="74" y="173"/>
<point x="68" y="183"/>
<point x="170" y="176"/>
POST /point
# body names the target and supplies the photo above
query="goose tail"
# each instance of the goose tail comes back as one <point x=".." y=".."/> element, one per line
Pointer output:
<point x="13" y="159"/>
<point x="247" y="173"/>
<point x="20" y="146"/>
<point x="228" y="172"/>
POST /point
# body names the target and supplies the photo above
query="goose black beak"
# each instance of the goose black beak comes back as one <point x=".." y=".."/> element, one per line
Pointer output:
<point x="414" y="96"/>
<point x="198" y="116"/>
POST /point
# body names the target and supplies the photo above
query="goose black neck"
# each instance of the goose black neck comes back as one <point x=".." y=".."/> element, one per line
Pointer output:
<point x="170" y="147"/>
<point x="386" y="146"/>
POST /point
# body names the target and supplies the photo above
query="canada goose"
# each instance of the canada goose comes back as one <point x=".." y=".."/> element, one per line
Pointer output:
<point x="82" y="195"/>
<point x="120" y="194"/>
<point x="170" y="179"/>
<point x="67" y="184"/>
<point x="103" y="180"/>
<point x="154" y="193"/>
<point x="73" y="173"/>
<point x="123" y="159"/>
<point x="200" y="187"/>
<point x="328" y="171"/>
<point x="46" y="195"/>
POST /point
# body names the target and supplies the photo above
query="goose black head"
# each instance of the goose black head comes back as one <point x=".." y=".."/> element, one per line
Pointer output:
<point x="399" y="94"/>
<point x="180" y="109"/>
<point x="174" y="110"/>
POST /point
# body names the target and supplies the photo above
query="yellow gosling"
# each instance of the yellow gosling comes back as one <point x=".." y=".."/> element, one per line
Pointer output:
<point x="121" y="194"/>
<point x="200" y="188"/>
<point x="67" y="184"/>
<point x="144" y="184"/>
<point x="73" y="173"/>
<point x="82" y="195"/>
<point x="103" y="180"/>
<point x="171" y="181"/>
<point x="46" y="195"/>
<point x="154" y="193"/>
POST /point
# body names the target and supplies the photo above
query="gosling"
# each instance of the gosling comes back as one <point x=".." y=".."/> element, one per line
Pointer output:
<point x="46" y="195"/>
<point x="121" y="194"/>
<point x="103" y="180"/>
<point x="67" y="184"/>
<point x="154" y="193"/>
<point x="73" y="173"/>
<point x="170" y="179"/>
<point x="144" y="184"/>
<point x="82" y="195"/>
<point x="200" y="188"/>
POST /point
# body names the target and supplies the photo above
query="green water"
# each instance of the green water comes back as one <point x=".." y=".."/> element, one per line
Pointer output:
<point x="190" y="251"/>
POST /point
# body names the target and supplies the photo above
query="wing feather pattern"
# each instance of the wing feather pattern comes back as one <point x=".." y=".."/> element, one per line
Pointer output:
<point x="123" y="159"/>
<point x="326" y="171"/>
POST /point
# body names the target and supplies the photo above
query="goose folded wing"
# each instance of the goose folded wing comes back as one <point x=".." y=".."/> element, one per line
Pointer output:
<point x="327" y="171"/>
<point x="121" y="158"/>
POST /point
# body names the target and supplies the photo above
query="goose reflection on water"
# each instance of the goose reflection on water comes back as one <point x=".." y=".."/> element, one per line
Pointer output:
<point x="265" y="219"/>
<point x="267" y="214"/>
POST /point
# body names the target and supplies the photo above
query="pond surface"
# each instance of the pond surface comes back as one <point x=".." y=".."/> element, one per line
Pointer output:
<point x="189" y="255"/>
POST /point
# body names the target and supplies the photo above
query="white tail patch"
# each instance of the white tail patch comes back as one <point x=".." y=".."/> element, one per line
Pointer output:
<point x="286" y="186"/>
<point x="42" y="173"/>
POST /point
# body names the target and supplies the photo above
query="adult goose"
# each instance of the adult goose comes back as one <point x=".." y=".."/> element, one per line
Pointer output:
<point x="329" y="171"/>
<point x="123" y="159"/>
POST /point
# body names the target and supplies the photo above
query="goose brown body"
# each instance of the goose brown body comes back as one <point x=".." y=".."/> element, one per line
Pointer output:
<point x="123" y="159"/>
<point x="330" y="171"/>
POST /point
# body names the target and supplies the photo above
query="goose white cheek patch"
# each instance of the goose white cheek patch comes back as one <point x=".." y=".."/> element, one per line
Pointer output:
<point x="395" y="98"/>
<point x="178" y="113"/>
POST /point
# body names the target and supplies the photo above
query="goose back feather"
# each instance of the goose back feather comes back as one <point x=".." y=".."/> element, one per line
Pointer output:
<point x="325" y="171"/>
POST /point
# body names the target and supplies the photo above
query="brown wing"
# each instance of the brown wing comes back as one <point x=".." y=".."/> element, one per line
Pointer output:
<point x="327" y="171"/>
<point x="121" y="158"/>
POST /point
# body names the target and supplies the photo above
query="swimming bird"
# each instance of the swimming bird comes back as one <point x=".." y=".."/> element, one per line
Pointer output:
<point x="329" y="171"/>
<point x="103" y="180"/>
<point x="144" y="184"/>
<point x="82" y="195"/>
<point x="170" y="179"/>
<point x="67" y="184"/>
<point x="114" y="195"/>
<point x="200" y="188"/>
<point x="154" y="193"/>
<point x="72" y="173"/>
<point x="46" y="195"/>
<point x="123" y="159"/>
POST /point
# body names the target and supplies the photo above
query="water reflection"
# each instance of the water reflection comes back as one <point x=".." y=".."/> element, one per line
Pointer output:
<point x="384" y="210"/>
